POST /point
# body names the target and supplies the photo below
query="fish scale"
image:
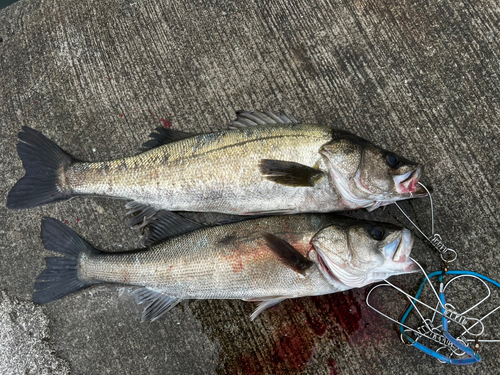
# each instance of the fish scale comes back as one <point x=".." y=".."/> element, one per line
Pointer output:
<point x="202" y="265"/>
<point x="223" y="171"/>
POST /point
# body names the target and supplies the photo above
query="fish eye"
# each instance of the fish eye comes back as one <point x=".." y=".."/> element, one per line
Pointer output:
<point x="392" y="161"/>
<point x="377" y="232"/>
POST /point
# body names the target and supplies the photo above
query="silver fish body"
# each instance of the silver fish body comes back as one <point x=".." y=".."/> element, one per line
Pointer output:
<point x="267" y="167"/>
<point x="234" y="261"/>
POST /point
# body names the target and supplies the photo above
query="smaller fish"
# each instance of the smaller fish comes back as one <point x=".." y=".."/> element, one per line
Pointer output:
<point x="268" y="259"/>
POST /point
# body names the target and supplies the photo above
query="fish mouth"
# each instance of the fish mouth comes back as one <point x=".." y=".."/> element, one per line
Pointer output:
<point x="402" y="254"/>
<point x="407" y="183"/>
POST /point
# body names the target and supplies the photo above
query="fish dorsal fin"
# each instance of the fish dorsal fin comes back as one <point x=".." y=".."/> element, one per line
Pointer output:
<point x="265" y="305"/>
<point x="167" y="224"/>
<point x="245" y="119"/>
<point x="157" y="304"/>
<point x="287" y="254"/>
<point x="290" y="173"/>
<point x="160" y="224"/>
<point x="162" y="136"/>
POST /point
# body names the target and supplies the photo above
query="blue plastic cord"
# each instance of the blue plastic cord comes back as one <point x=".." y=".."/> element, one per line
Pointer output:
<point x="473" y="356"/>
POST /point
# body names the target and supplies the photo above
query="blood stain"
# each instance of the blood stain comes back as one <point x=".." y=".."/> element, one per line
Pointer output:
<point x="344" y="307"/>
<point x="121" y="114"/>
<point x="77" y="220"/>
<point x="167" y="124"/>
<point x="292" y="352"/>
<point x="66" y="222"/>
<point x="316" y="325"/>
<point x="248" y="366"/>
<point x="332" y="366"/>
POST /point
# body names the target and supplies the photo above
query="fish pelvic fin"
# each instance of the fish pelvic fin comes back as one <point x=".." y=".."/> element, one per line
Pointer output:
<point x="60" y="278"/>
<point x="44" y="163"/>
<point x="265" y="305"/>
<point x="157" y="303"/>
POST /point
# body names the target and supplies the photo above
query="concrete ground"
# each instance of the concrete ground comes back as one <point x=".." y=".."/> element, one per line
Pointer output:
<point x="419" y="78"/>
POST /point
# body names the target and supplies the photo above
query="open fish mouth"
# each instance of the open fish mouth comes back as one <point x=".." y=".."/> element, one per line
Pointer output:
<point x="402" y="253"/>
<point x="408" y="183"/>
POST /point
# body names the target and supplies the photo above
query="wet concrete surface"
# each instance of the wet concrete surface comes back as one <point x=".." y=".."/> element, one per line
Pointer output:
<point x="419" y="78"/>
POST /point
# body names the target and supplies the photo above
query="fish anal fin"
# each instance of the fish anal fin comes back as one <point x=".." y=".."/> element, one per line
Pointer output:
<point x="265" y="305"/>
<point x="290" y="173"/>
<point x="157" y="304"/>
<point x="162" y="136"/>
<point x="287" y="254"/>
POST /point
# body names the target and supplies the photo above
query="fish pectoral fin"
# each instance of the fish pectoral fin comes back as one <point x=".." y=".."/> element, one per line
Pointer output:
<point x="290" y="173"/>
<point x="287" y="254"/>
<point x="157" y="304"/>
<point x="159" y="224"/>
<point x="265" y="305"/>
<point x="244" y="119"/>
<point x="162" y="136"/>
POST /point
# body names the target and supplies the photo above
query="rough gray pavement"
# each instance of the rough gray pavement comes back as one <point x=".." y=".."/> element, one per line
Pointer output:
<point x="417" y="77"/>
<point x="24" y="347"/>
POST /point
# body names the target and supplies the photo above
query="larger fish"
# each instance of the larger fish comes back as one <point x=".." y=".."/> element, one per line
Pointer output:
<point x="266" y="164"/>
<point x="266" y="259"/>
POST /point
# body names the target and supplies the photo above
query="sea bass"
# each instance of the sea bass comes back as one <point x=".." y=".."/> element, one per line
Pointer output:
<point x="264" y="164"/>
<point x="268" y="259"/>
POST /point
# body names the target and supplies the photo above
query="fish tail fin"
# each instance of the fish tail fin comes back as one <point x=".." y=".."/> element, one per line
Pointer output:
<point x="60" y="278"/>
<point x="43" y="161"/>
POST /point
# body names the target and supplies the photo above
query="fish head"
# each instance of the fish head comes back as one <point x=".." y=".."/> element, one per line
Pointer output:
<point x="367" y="176"/>
<point x="360" y="253"/>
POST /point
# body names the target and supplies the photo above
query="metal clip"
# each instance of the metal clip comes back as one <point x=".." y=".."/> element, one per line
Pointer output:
<point x="435" y="239"/>
<point x="434" y="336"/>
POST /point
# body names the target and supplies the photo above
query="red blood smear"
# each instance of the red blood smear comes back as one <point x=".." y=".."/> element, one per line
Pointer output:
<point x="77" y="220"/>
<point x="344" y="307"/>
<point x="36" y="101"/>
<point x="316" y="325"/>
<point x="332" y="366"/>
<point x="121" y="114"/>
<point x="238" y="265"/>
<point x="292" y="352"/>
<point x="66" y="222"/>
<point x="248" y="366"/>
<point x="166" y="123"/>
